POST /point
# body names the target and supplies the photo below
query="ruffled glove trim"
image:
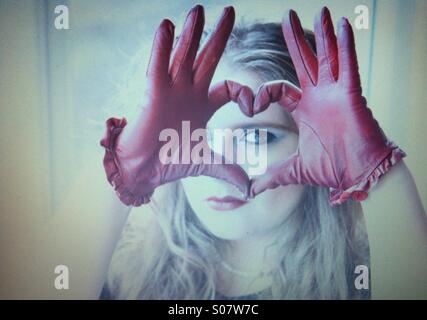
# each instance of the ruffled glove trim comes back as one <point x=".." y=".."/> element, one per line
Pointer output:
<point x="360" y="191"/>
<point x="112" y="167"/>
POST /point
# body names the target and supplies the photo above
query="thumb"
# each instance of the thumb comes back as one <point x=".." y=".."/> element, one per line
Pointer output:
<point x="226" y="91"/>
<point x="279" y="174"/>
<point x="231" y="173"/>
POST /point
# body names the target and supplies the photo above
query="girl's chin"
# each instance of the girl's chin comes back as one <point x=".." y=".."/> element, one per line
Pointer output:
<point x="234" y="224"/>
<point x="230" y="235"/>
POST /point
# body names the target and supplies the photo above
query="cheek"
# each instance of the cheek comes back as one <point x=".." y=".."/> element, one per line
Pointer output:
<point x="282" y="149"/>
<point x="195" y="187"/>
<point x="268" y="154"/>
<point x="276" y="205"/>
<point x="261" y="215"/>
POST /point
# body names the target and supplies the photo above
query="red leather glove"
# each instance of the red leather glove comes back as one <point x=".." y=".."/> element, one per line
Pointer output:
<point x="178" y="90"/>
<point x="341" y="145"/>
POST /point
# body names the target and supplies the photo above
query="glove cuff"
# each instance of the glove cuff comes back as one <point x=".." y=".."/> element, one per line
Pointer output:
<point x="359" y="192"/>
<point x="112" y="166"/>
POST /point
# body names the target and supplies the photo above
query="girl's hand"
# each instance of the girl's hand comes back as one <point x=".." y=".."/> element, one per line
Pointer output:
<point x="178" y="90"/>
<point x="341" y="145"/>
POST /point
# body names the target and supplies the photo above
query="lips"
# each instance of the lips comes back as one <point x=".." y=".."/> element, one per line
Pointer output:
<point x="226" y="203"/>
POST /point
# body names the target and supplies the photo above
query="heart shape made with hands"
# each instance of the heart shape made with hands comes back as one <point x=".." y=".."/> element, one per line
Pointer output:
<point x="340" y="144"/>
<point x="282" y="92"/>
<point x="286" y="95"/>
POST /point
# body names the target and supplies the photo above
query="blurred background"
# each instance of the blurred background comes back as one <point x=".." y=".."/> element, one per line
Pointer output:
<point x="56" y="87"/>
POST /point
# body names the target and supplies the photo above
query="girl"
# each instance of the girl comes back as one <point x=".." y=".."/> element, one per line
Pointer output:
<point x="296" y="232"/>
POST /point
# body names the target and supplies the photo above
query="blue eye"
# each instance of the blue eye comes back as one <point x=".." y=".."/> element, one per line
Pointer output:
<point x="259" y="136"/>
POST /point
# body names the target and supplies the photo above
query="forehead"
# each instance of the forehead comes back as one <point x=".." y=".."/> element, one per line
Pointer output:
<point x="229" y="115"/>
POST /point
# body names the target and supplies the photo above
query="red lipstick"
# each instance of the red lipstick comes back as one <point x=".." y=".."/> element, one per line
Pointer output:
<point x="226" y="203"/>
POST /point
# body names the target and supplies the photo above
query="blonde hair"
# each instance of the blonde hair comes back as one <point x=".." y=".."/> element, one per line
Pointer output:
<point x="175" y="257"/>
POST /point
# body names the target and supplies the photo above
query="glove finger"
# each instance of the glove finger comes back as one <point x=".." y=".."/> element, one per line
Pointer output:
<point x="348" y="66"/>
<point x="302" y="54"/>
<point x="231" y="173"/>
<point x="216" y="167"/>
<point x="281" y="91"/>
<point x="185" y="51"/>
<point x="226" y="91"/>
<point x="208" y="58"/>
<point x="326" y="47"/>
<point x="279" y="174"/>
<point x="158" y="66"/>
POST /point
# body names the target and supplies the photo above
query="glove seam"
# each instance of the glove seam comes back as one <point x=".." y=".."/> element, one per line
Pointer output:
<point x="327" y="56"/>
<point x="325" y="149"/>
<point x="300" y="55"/>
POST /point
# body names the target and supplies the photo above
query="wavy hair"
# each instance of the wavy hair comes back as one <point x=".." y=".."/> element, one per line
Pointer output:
<point x="172" y="255"/>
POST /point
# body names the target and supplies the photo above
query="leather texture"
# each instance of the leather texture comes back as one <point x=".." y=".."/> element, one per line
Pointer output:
<point x="179" y="89"/>
<point x="341" y="145"/>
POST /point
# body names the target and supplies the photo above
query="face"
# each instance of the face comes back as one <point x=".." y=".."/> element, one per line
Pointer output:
<point x="218" y="204"/>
